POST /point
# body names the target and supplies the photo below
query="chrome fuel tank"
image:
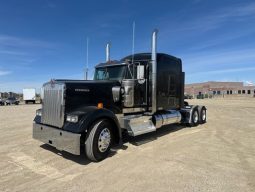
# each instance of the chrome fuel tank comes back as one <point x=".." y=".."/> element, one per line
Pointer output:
<point x="166" y="118"/>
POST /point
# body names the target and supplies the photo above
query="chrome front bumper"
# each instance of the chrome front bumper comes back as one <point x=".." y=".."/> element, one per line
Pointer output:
<point x="62" y="140"/>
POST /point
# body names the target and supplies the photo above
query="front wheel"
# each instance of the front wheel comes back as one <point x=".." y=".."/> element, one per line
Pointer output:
<point x="99" y="140"/>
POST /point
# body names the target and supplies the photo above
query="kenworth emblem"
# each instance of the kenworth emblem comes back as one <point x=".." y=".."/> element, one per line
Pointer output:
<point x="52" y="83"/>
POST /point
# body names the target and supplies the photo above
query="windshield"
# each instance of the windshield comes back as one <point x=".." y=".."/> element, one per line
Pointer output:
<point x="110" y="73"/>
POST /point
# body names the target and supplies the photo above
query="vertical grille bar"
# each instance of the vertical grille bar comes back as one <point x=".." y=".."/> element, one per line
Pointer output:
<point x="53" y="104"/>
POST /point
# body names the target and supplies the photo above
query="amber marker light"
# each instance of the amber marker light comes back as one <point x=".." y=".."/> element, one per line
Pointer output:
<point x="100" y="105"/>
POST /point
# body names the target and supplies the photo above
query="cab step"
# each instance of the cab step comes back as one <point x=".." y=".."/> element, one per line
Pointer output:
<point x="138" y="125"/>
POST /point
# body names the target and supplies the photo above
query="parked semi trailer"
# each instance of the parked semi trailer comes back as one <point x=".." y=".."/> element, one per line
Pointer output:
<point x="29" y="95"/>
<point x="135" y="95"/>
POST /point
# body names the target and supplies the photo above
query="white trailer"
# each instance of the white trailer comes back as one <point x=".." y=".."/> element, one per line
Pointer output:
<point x="29" y="95"/>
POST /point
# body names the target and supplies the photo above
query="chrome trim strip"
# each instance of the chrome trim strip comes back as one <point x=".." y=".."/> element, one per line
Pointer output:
<point x="133" y="110"/>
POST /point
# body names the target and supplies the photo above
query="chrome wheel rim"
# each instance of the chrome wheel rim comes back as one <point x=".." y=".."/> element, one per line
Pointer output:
<point x="203" y="115"/>
<point x="104" y="140"/>
<point x="195" y="117"/>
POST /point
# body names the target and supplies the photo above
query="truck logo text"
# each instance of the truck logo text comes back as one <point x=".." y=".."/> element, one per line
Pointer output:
<point x="82" y="90"/>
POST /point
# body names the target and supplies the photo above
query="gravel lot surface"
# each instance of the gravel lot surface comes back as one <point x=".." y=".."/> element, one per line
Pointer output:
<point x="216" y="156"/>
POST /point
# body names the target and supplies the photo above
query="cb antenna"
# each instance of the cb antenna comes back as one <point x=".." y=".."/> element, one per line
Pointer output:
<point x="87" y="60"/>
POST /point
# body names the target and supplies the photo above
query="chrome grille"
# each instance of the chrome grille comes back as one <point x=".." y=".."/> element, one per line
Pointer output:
<point x="53" y="104"/>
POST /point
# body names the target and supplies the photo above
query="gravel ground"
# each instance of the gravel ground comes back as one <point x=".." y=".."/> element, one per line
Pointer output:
<point x="216" y="156"/>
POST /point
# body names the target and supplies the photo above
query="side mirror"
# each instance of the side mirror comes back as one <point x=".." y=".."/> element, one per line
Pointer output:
<point x="140" y="72"/>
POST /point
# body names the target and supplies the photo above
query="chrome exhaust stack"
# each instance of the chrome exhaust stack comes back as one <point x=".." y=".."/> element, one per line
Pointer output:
<point x="154" y="70"/>
<point x="108" y="53"/>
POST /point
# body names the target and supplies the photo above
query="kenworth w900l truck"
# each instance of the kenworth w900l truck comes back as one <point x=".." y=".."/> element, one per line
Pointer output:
<point x="136" y="95"/>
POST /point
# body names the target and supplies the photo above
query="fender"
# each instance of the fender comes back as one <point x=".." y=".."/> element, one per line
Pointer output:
<point x="87" y="116"/>
<point x="193" y="107"/>
<point x="186" y="113"/>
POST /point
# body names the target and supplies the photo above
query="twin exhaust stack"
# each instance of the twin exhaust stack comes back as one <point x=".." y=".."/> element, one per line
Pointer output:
<point x="153" y="48"/>
<point x="108" y="53"/>
<point x="154" y="67"/>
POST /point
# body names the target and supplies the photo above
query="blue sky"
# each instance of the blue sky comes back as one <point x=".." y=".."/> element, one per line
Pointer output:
<point x="45" y="39"/>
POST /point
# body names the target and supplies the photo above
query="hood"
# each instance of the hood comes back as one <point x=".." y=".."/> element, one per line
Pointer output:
<point x="83" y="93"/>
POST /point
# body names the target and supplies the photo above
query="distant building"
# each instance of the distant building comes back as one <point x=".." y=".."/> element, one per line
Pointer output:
<point x="213" y="88"/>
<point x="4" y="95"/>
<point x="9" y="94"/>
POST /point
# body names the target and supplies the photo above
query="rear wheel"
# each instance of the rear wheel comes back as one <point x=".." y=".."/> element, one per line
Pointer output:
<point x="99" y="140"/>
<point x="194" y="118"/>
<point x="203" y="115"/>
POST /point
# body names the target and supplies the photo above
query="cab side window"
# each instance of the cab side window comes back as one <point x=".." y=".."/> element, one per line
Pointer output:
<point x="130" y="70"/>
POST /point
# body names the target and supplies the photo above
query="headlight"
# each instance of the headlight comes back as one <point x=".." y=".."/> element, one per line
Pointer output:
<point x="72" y="118"/>
<point x="39" y="112"/>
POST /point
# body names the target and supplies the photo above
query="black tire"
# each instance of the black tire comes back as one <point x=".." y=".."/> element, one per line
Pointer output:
<point x="194" y="118"/>
<point x="93" y="151"/>
<point x="203" y="115"/>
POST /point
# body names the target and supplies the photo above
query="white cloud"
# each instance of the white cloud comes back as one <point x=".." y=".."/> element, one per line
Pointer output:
<point x="6" y="40"/>
<point x="219" y="58"/>
<point x="21" y="53"/>
<point x="19" y="85"/>
<point x="240" y="10"/>
<point x="223" y="71"/>
<point x="249" y="83"/>
<point x="9" y="52"/>
<point x="221" y="39"/>
<point x="219" y="17"/>
<point x="209" y="21"/>
<point x="2" y="73"/>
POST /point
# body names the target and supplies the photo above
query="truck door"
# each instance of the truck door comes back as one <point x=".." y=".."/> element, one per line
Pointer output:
<point x="137" y="73"/>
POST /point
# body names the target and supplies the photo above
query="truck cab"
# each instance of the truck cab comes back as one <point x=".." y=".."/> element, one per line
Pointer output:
<point x="137" y="94"/>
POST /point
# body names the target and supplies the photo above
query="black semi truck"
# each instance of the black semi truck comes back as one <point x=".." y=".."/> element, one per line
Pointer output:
<point x="135" y="95"/>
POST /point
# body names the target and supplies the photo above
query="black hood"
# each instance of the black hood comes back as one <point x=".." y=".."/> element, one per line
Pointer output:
<point x="83" y="93"/>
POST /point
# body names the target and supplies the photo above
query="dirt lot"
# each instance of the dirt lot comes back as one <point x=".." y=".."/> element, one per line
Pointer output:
<point x="217" y="156"/>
